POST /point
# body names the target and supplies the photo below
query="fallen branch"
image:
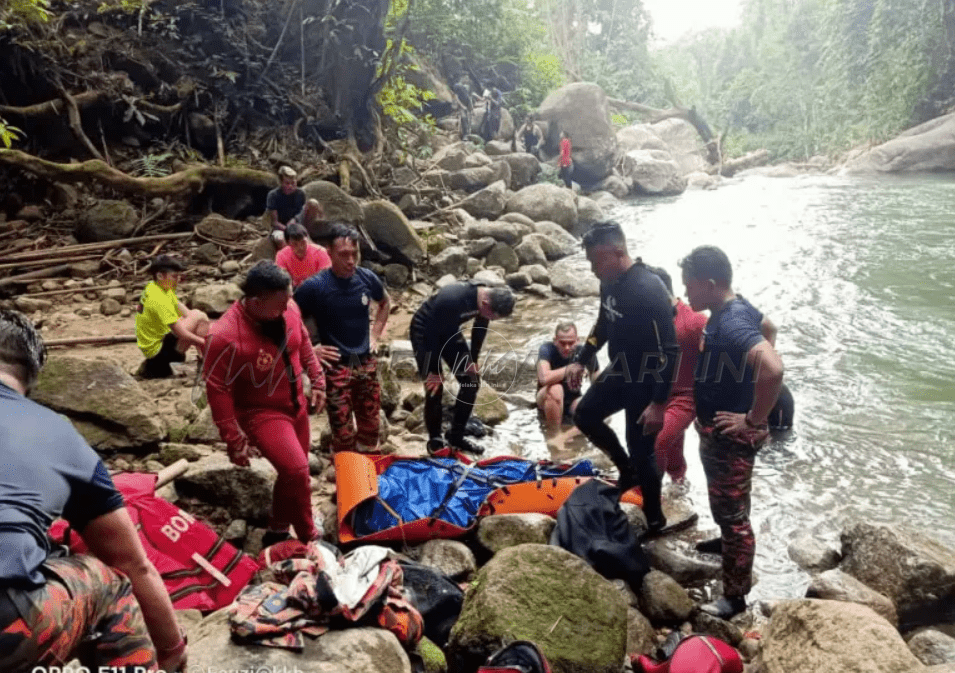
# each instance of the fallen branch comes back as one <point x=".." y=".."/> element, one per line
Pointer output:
<point x="42" y="273"/>
<point x="188" y="182"/>
<point x="39" y="262"/>
<point x="76" y="123"/>
<point x="91" y="341"/>
<point x="54" y="253"/>
<point x="170" y="472"/>
<point x="677" y="112"/>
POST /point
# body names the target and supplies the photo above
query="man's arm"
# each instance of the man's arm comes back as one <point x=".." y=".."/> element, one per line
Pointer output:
<point x="768" y="374"/>
<point x="381" y="319"/>
<point x="112" y="538"/>
<point x="478" y="335"/>
<point x="181" y="332"/>
<point x="768" y="329"/>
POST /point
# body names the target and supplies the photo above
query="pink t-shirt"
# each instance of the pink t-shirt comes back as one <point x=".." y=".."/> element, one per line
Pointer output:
<point x="315" y="260"/>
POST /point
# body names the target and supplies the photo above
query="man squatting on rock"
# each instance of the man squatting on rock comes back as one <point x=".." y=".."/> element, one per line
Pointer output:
<point x="737" y="380"/>
<point x="337" y="301"/>
<point x="287" y="203"/>
<point x="253" y="370"/>
<point x="165" y="327"/>
<point x="436" y="335"/>
<point x="49" y="606"/>
<point x="636" y="322"/>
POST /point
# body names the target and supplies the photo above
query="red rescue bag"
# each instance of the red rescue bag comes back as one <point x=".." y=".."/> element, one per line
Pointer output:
<point x="696" y="654"/>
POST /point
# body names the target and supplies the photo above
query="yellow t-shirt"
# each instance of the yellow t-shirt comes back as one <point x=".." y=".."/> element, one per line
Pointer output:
<point x="158" y="310"/>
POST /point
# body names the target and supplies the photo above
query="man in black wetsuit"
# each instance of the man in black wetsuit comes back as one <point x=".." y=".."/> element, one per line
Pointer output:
<point x="636" y="320"/>
<point x="436" y="336"/>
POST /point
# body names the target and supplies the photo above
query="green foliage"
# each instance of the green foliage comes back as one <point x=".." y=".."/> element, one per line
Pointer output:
<point x="8" y="133"/>
<point x="16" y="12"/>
<point x="150" y="165"/>
<point x="398" y="98"/>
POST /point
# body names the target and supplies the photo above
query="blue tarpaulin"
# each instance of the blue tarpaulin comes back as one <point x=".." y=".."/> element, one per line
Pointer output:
<point x="448" y="489"/>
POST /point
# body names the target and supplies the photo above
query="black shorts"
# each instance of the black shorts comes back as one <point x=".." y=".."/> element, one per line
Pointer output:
<point x="157" y="367"/>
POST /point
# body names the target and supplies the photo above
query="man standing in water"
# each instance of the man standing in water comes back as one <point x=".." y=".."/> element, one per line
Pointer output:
<point x="737" y="381"/>
<point x="636" y="320"/>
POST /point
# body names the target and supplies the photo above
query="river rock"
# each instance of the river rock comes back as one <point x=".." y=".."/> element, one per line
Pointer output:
<point x="479" y="247"/>
<point x="173" y="452"/>
<point x="520" y="218"/>
<point x="397" y="275"/>
<point x="445" y="280"/>
<point x="489" y="408"/>
<point x="831" y="636"/>
<point x="337" y="204"/>
<point x="664" y="601"/>
<point x="719" y="628"/>
<point x="106" y="221"/>
<point x="390" y="229"/>
<point x="504" y="231"/>
<point x="700" y="180"/>
<point x="31" y="305"/>
<point x="518" y="280"/>
<point x="107" y="405"/>
<point x="581" y="109"/>
<point x="109" y="307"/>
<point x="529" y="252"/>
<point x="589" y="213"/>
<point x="351" y="650"/>
<point x="814" y="554"/>
<point x="117" y="293"/>
<point x="504" y="256"/>
<point x="614" y="185"/>
<point x="500" y="531"/>
<point x="835" y="585"/>
<point x="641" y="637"/>
<point x="245" y="492"/>
<point x="914" y="571"/>
<point x="450" y="557"/>
<point x="933" y="647"/>
<point x="497" y="148"/>
<point x="639" y="137"/>
<point x="926" y="147"/>
<point x="216" y="226"/>
<point x="545" y="202"/>
<point x="450" y="261"/>
<point x="208" y="253"/>
<point x="473" y="179"/>
<point x="653" y="173"/>
<point x="568" y="280"/>
<point x="524" y="169"/>
<point x="451" y="157"/>
<point x="215" y="299"/>
<point x="684" y="144"/>
<point x="487" y="203"/>
<point x="489" y="278"/>
<point x="546" y="595"/>
<point x="476" y="160"/>
<point x="686" y="567"/>
<point x="565" y="241"/>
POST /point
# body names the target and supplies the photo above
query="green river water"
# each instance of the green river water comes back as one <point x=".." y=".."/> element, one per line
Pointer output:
<point x="858" y="276"/>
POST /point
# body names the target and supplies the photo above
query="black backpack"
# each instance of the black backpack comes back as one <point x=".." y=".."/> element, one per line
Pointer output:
<point x="591" y="525"/>
<point x="521" y="656"/>
<point x="437" y="598"/>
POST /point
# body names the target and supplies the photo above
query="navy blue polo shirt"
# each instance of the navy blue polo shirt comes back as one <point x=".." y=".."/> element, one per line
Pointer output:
<point x="339" y="307"/>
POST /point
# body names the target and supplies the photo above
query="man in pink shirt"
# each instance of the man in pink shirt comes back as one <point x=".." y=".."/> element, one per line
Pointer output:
<point x="301" y="258"/>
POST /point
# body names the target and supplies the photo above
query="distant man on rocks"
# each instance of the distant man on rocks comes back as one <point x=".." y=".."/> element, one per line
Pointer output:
<point x="50" y="607"/>
<point x="282" y="204"/>
<point x="253" y="370"/>
<point x="565" y="162"/>
<point x="165" y="328"/>
<point x="554" y="397"/>
<point x="737" y="381"/>
<point x="301" y="258"/>
<point x="462" y="94"/>
<point x="531" y="136"/>
<point x="636" y="322"/>
<point x="338" y="300"/>
<point x="436" y="336"/>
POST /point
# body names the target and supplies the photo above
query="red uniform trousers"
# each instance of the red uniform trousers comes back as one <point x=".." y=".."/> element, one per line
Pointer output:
<point x="680" y="413"/>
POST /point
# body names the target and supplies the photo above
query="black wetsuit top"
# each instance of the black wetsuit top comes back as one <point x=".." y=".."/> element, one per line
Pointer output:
<point x="439" y="319"/>
<point x="636" y="322"/>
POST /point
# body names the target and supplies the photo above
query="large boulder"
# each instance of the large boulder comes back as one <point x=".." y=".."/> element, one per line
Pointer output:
<point x="473" y="179"/>
<point x="653" y="173"/>
<point x="589" y="213"/>
<point x="215" y="299"/>
<point x="926" y="147"/>
<point x="390" y="229"/>
<point x="504" y="231"/>
<point x="452" y="157"/>
<point x="835" y="585"/>
<point x="106" y="221"/>
<point x="684" y="143"/>
<point x="545" y="202"/>
<point x="563" y="240"/>
<point x="353" y="650"/>
<point x="245" y="491"/>
<point x="337" y="204"/>
<point x="503" y="255"/>
<point x="530" y="253"/>
<point x="582" y="111"/>
<point x="568" y="280"/>
<point x="524" y="169"/>
<point x="488" y="202"/>
<point x="500" y="531"/>
<point x="914" y="571"/>
<point x="216" y="226"/>
<point x="425" y="75"/>
<point x="639" y="137"/>
<point x="831" y="636"/>
<point x="453" y="261"/>
<point x="107" y="405"/>
<point x="547" y="595"/>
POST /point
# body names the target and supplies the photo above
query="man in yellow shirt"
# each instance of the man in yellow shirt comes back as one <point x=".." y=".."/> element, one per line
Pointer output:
<point x="165" y="328"/>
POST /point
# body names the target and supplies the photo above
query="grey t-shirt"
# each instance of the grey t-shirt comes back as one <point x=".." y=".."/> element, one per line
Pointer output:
<point x="47" y="470"/>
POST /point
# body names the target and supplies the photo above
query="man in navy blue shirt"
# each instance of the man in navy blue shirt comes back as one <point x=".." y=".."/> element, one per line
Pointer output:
<point x="555" y="399"/>
<point x="736" y="383"/>
<point x="49" y="606"/>
<point x="337" y="301"/>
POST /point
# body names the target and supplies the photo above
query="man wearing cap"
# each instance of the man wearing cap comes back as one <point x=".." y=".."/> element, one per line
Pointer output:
<point x="165" y="327"/>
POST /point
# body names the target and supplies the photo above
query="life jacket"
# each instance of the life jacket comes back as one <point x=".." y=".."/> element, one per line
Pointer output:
<point x="199" y="569"/>
<point x="696" y="654"/>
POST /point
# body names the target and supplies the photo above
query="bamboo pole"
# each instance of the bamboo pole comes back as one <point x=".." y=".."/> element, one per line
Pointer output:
<point x="91" y="341"/>
<point x="91" y="247"/>
<point x="41" y="262"/>
<point x="170" y="472"/>
<point x="42" y="273"/>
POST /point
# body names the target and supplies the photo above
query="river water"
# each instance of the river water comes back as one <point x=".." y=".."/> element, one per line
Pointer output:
<point x="858" y="276"/>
